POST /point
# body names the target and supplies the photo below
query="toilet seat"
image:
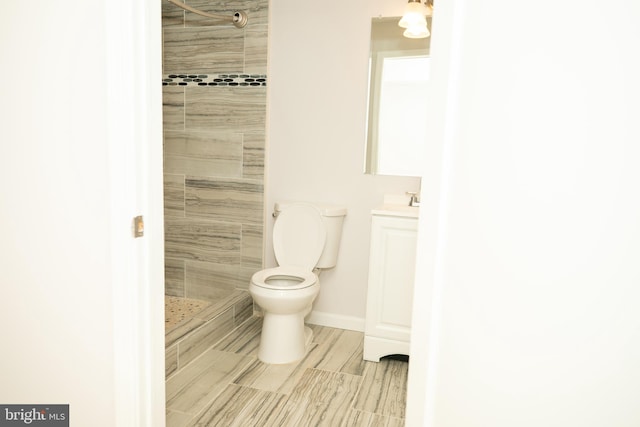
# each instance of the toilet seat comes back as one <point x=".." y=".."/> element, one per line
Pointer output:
<point x="284" y="278"/>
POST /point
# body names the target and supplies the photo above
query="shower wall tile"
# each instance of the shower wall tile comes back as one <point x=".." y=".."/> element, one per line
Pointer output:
<point x="218" y="307"/>
<point x="253" y="155"/>
<point x="174" y="277"/>
<point x="199" y="240"/>
<point x="174" y="195"/>
<point x="214" y="112"/>
<point x="172" y="108"/>
<point x="232" y="109"/>
<point x="215" y="49"/>
<point x="245" y="274"/>
<point x="252" y="246"/>
<point x="255" y="10"/>
<point x="258" y="11"/>
<point x="172" y="15"/>
<point x="216" y="8"/>
<point x="209" y="281"/>
<point x="212" y="281"/>
<point x="203" y="154"/>
<point x="238" y="201"/>
<point x="256" y="49"/>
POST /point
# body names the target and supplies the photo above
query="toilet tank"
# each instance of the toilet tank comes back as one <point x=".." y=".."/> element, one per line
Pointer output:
<point x="332" y="216"/>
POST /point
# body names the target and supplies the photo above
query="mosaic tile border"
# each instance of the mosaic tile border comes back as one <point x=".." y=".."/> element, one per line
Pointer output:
<point x="214" y="80"/>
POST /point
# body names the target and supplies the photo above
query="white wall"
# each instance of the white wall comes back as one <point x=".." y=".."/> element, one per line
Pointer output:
<point x="535" y="259"/>
<point x="73" y="329"/>
<point x="318" y="66"/>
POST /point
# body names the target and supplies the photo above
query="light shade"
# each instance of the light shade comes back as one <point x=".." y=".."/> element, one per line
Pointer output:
<point x="417" y="32"/>
<point x="415" y="20"/>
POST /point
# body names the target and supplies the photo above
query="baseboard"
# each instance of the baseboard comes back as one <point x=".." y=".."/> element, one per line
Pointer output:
<point x="332" y="320"/>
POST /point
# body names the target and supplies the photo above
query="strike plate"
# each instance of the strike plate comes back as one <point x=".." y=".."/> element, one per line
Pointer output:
<point x="138" y="226"/>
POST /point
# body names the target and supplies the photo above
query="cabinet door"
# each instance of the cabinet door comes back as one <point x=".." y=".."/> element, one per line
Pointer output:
<point x="391" y="277"/>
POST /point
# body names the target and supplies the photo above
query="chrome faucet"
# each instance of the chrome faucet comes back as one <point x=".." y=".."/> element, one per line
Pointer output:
<point x="415" y="199"/>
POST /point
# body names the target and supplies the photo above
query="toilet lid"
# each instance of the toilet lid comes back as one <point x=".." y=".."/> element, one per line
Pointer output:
<point x="284" y="278"/>
<point x="299" y="236"/>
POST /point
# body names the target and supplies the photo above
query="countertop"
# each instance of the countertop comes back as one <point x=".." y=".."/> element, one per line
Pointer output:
<point x="397" y="210"/>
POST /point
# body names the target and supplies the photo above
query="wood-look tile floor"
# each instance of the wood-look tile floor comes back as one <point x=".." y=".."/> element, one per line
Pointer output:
<point x="332" y="386"/>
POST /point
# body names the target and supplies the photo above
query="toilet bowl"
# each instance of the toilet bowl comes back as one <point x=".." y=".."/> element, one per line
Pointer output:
<point x="285" y="296"/>
<point x="286" y="293"/>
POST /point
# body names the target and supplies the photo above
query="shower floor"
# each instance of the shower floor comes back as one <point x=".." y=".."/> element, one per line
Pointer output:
<point x="177" y="309"/>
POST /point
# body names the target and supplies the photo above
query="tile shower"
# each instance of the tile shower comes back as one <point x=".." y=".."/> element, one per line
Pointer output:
<point x="214" y="107"/>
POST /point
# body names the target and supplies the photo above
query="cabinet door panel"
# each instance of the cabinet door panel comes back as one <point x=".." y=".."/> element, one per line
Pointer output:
<point x="391" y="277"/>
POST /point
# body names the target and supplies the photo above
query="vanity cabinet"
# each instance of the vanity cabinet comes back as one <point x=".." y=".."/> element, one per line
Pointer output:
<point x="392" y="262"/>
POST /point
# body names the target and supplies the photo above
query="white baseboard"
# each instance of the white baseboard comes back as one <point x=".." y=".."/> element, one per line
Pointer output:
<point x="336" y="321"/>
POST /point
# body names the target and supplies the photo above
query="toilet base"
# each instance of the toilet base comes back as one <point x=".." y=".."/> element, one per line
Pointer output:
<point x="284" y="339"/>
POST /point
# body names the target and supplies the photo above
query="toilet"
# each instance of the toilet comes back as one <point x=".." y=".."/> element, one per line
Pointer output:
<point x="306" y="237"/>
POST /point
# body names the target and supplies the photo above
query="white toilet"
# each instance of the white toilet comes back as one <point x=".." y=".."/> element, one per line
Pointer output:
<point x="305" y="237"/>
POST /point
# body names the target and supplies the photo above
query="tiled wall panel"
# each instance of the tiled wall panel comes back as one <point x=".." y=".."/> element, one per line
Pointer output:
<point x="203" y="240"/>
<point x="230" y="200"/>
<point x="203" y="49"/>
<point x="174" y="277"/>
<point x="203" y="154"/>
<point x="214" y="105"/>
<point x="225" y="108"/>
<point x="252" y="236"/>
<point x="173" y="108"/>
<point x="253" y="155"/>
<point x="173" y="196"/>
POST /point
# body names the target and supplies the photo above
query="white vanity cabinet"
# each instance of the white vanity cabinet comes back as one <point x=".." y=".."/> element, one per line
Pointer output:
<point x="392" y="261"/>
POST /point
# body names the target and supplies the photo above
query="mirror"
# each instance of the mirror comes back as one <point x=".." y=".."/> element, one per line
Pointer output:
<point x="397" y="107"/>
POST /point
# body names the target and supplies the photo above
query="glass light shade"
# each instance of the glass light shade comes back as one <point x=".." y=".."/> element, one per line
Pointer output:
<point x="417" y="32"/>
<point x="415" y="14"/>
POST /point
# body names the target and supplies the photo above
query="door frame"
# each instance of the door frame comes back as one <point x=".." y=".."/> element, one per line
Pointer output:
<point x="134" y="69"/>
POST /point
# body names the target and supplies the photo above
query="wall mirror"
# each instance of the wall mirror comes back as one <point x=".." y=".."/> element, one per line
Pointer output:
<point x="397" y="100"/>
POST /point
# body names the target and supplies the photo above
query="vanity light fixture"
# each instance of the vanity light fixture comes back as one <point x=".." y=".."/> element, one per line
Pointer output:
<point x="415" y="19"/>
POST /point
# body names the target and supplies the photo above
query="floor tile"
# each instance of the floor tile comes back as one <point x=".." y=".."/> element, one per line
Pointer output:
<point x="333" y="349"/>
<point x="275" y="378"/>
<point x="357" y="418"/>
<point x="239" y="406"/>
<point x="177" y="419"/>
<point x="200" y="382"/>
<point x="341" y="350"/>
<point x="384" y="388"/>
<point x="321" y="398"/>
<point x="331" y="386"/>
